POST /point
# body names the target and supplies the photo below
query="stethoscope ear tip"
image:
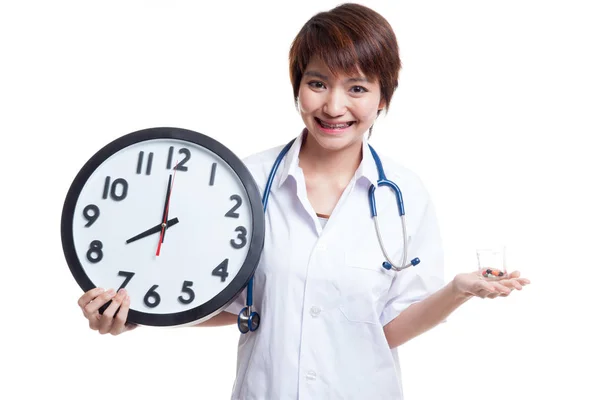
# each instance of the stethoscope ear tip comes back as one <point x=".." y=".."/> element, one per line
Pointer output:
<point x="389" y="266"/>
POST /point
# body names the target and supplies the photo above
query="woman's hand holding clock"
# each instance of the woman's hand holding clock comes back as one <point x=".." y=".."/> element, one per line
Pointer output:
<point x="112" y="320"/>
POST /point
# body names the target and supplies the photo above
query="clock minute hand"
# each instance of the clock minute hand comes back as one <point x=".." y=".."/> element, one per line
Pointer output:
<point x="166" y="209"/>
<point x="153" y="230"/>
<point x="166" y="206"/>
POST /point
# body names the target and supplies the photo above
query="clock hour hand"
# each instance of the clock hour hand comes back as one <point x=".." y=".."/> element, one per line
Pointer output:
<point x="153" y="230"/>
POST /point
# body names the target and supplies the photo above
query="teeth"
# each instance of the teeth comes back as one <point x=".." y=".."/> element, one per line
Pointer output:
<point x="335" y="126"/>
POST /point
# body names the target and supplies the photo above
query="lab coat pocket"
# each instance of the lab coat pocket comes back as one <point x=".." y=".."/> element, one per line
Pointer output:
<point x="365" y="284"/>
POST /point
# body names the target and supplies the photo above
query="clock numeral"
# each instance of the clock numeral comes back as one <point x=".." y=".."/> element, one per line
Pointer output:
<point x="187" y="156"/>
<point x="238" y="200"/>
<point x="186" y="288"/>
<point x="180" y="165"/>
<point x="94" y="254"/>
<point x="213" y="171"/>
<point x="117" y="183"/>
<point x="170" y="157"/>
<point x="141" y="162"/>
<point x="241" y="236"/>
<point x="91" y="212"/>
<point x="221" y="270"/>
<point x="152" y="295"/>
<point x="128" y="276"/>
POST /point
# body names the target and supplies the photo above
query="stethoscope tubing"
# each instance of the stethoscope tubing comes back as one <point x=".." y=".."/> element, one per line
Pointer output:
<point x="265" y="200"/>
<point x="383" y="181"/>
<point x="249" y="320"/>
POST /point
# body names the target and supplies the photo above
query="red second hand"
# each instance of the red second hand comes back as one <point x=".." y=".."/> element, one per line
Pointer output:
<point x="164" y="224"/>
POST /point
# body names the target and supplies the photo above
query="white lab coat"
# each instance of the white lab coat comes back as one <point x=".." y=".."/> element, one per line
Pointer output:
<point x="322" y="294"/>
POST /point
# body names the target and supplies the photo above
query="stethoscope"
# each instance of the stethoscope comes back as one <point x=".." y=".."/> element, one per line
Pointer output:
<point x="249" y="320"/>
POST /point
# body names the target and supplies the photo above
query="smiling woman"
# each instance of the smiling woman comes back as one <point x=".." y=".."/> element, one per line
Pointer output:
<point x="337" y="108"/>
<point x="325" y="49"/>
<point x="352" y="40"/>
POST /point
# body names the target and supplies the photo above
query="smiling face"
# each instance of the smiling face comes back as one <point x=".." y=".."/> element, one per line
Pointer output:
<point x="337" y="109"/>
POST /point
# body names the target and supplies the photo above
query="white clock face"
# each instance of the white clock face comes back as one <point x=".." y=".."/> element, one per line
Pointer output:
<point x="208" y="233"/>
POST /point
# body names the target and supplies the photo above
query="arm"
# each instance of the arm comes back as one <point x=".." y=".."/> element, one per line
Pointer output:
<point x="421" y="316"/>
<point x="424" y="315"/>
<point x="418" y="300"/>
<point x="222" y="319"/>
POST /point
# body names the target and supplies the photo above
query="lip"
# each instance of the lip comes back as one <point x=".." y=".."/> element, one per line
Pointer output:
<point x="333" y="131"/>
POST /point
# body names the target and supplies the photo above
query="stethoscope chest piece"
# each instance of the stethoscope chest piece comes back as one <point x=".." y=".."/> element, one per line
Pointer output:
<point x="248" y="320"/>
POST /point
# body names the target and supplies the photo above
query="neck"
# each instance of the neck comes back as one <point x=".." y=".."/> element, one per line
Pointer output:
<point x="337" y="167"/>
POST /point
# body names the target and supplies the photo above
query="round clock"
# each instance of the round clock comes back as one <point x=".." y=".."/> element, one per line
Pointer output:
<point x="169" y="214"/>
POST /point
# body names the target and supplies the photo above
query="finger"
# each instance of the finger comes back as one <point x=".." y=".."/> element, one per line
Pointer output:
<point x="92" y="307"/>
<point x="524" y="281"/>
<point x="107" y="319"/>
<point x="119" y="320"/>
<point x="514" y="274"/>
<point x="484" y="288"/>
<point x="89" y="296"/>
<point x="486" y="293"/>
<point x="518" y="283"/>
<point x="501" y="288"/>
<point x="485" y="285"/>
<point x="511" y="284"/>
<point x="491" y="294"/>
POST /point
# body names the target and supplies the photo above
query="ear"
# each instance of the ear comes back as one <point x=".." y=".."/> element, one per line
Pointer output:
<point x="381" y="104"/>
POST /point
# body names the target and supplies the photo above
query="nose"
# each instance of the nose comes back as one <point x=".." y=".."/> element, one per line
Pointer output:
<point x="335" y="103"/>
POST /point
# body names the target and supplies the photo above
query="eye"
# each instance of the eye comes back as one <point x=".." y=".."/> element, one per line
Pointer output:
<point x="358" y="89"/>
<point x="316" y="84"/>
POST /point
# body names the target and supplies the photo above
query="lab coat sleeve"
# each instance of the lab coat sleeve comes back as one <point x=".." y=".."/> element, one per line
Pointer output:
<point x="418" y="282"/>
<point x="237" y="304"/>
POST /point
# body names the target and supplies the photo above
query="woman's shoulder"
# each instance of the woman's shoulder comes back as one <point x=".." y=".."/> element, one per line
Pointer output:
<point x="261" y="157"/>
<point x="404" y="176"/>
<point x="394" y="168"/>
<point x="259" y="164"/>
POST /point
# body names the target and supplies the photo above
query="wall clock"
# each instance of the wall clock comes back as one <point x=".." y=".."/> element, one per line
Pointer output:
<point x="170" y="214"/>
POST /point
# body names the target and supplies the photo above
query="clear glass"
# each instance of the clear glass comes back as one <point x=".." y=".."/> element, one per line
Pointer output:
<point x="491" y="262"/>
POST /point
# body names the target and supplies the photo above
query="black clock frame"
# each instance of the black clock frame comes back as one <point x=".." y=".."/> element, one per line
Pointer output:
<point x="239" y="282"/>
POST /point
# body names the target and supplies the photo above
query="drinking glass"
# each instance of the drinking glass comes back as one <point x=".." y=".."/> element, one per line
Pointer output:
<point x="491" y="262"/>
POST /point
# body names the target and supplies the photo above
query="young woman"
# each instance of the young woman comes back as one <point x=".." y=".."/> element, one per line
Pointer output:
<point x="331" y="316"/>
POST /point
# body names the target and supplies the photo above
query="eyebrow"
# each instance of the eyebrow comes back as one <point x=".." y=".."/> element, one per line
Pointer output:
<point x="326" y="78"/>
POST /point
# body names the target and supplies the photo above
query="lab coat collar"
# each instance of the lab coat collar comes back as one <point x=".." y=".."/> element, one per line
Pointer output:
<point x="367" y="168"/>
<point x="290" y="167"/>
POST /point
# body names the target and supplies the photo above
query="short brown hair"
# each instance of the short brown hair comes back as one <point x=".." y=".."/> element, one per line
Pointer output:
<point x="344" y="38"/>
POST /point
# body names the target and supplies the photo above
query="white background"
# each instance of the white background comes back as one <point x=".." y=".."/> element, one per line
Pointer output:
<point x="497" y="111"/>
